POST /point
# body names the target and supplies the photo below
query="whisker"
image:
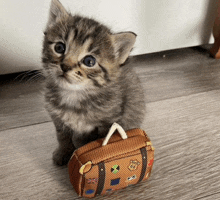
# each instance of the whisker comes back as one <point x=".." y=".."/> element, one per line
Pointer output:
<point x="22" y="75"/>
<point x="33" y="78"/>
<point x="27" y="76"/>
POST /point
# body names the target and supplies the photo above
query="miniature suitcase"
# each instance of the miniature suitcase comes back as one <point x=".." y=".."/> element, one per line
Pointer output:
<point x="109" y="164"/>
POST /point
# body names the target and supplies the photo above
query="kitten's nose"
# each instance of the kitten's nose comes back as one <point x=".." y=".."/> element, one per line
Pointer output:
<point x="65" y="68"/>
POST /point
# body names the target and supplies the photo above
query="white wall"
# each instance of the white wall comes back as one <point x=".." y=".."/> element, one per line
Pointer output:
<point x="159" y="24"/>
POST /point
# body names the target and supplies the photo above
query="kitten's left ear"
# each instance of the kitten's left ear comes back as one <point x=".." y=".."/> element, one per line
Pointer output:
<point x="123" y="44"/>
<point x="57" y="12"/>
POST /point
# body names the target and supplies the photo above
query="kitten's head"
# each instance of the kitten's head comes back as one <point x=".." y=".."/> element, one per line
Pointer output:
<point x="80" y="53"/>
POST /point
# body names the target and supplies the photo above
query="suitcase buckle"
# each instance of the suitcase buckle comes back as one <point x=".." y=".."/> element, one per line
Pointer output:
<point x="85" y="168"/>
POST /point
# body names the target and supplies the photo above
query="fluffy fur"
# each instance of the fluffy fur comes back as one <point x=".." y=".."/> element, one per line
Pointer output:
<point x="83" y="101"/>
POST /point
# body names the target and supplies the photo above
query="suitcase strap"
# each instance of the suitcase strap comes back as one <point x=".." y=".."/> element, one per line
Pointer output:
<point x="101" y="181"/>
<point x="144" y="163"/>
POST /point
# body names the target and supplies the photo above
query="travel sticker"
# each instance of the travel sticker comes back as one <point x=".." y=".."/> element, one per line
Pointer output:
<point x="133" y="165"/>
<point x="131" y="178"/>
<point x="88" y="192"/>
<point x="115" y="181"/>
<point x="115" y="169"/>
<point x="92" y="180"/>
<point x="151" y="162"/>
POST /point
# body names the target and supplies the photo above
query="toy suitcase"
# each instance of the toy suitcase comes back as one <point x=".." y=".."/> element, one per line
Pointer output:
<point x="109" y="164"/>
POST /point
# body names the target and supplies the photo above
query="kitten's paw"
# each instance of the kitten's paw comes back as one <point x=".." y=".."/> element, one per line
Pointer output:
<point x="60" y="157"/>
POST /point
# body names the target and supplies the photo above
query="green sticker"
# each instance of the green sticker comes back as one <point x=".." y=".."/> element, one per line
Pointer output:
<point x="115" y="169"/>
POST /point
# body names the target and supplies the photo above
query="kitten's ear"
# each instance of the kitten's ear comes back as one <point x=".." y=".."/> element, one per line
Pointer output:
<point x="57" y="12"/>
<point x="123" y="44"/>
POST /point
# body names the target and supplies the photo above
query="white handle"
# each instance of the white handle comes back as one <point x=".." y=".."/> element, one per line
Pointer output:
<point x="112" y="130"/>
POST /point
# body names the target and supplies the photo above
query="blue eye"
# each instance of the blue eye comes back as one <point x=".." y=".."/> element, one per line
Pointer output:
<point x="60" y="47"/>
<point x="89" y="61"/>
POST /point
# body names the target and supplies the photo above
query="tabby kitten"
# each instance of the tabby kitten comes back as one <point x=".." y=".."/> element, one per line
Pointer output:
<point x="88" y="87"/>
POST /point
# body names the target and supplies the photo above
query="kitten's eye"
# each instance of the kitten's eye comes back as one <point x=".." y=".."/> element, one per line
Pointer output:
<point x="89" y="61"/>
<point x="60" y="47"/>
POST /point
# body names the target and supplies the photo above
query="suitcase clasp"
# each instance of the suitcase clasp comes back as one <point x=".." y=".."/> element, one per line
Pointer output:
<point x="150" y="144"/>
<point x="85" y="168"/>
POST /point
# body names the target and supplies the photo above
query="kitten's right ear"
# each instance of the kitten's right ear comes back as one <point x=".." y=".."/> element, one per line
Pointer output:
<point x="123" y="44"/>
<point x="57" y="12"/>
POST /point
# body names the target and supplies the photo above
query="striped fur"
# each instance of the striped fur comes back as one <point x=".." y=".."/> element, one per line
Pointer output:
<point x="84" y="101"/>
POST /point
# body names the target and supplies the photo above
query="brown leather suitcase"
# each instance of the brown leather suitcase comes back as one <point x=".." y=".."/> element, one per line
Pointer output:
<point x="105" y="165"/>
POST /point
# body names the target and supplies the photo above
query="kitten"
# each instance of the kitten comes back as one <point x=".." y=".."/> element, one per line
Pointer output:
<point x="88" y="87"/>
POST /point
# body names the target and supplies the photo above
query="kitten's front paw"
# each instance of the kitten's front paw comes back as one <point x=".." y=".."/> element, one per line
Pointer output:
<point x="60" y="157"/>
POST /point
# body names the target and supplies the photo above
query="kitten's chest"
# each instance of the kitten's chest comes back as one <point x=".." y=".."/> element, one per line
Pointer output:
<point x="78" y="122"/>
<point x="72" y="111"/>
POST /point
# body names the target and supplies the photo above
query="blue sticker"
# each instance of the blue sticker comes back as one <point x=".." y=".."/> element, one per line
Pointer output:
<point x="90" y="191"/>
<point x="115" y="181"/>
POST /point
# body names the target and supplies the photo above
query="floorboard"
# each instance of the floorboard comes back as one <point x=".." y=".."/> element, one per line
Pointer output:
<point x="26" y="168"/>
<point x="182" y="120"/>
<point x="22" y="104"/>
<point x="177" y="73"/>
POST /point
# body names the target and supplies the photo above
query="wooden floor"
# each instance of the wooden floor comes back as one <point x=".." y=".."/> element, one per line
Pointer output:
<point x="182" y="119"/>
